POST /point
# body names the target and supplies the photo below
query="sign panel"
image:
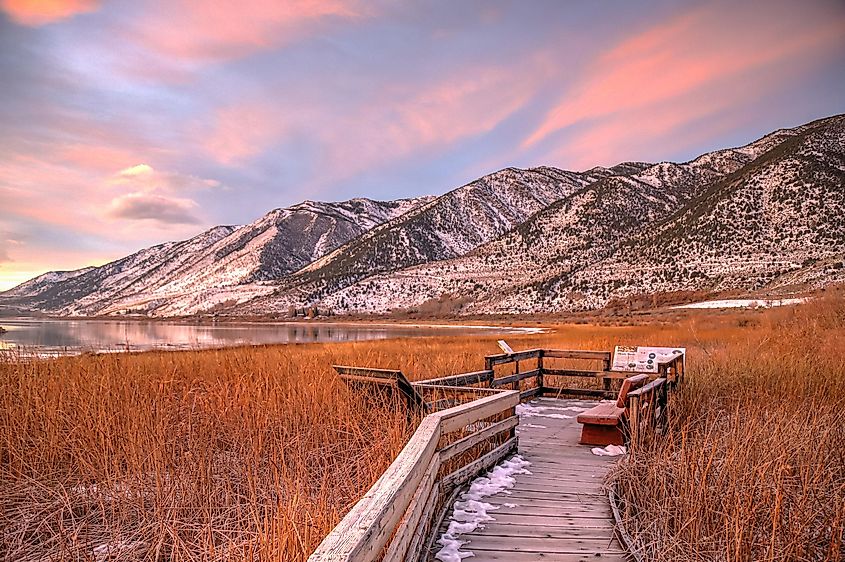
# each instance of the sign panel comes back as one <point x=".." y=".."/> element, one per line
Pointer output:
<point x="638" y="359"/>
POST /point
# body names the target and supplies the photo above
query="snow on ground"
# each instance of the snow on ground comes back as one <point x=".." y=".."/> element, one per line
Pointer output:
<point x="609" y="451"/>
<point x="470" y="513"/>
<point x="744" y="303"/>
<point x="526" y="411"/>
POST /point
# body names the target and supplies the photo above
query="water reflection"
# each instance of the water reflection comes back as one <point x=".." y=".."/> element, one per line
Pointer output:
<point x="52" y="336"/>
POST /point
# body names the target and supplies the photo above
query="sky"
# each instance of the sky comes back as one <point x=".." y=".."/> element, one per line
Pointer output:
<point x="125" y="124"/>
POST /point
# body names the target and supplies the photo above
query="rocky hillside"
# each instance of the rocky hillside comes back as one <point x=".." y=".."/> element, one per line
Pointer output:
<point x="224" y="265"/>
<point x="765" y="216"/>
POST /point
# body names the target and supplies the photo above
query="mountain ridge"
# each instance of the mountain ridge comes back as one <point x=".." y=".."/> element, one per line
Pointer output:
<point x="515" y="240"/>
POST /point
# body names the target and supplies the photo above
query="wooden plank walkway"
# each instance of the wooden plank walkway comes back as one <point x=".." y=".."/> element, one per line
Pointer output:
<point x="559" y="512"/>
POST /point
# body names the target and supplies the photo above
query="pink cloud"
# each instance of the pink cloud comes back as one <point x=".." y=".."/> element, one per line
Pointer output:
<point x="397" y="121"/>
<point x="41" y="12"/>
<point x="103" y="159"/>
<point x="241" y="131"/>
<point x="216" y="30"/>
<point x="696" y="52"/>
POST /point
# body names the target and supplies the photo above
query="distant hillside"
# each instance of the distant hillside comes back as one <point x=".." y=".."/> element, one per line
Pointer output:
<point x="766" y="216"/>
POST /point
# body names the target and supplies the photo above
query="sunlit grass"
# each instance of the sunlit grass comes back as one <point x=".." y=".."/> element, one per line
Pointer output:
<point x="754" y="467"/>
<point x="256" y="453"/>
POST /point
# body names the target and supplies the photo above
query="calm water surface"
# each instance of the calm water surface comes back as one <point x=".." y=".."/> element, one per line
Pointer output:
<point x="55" y="336"/>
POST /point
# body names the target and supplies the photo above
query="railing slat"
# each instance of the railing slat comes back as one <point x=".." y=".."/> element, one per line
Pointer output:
<point x="572" y="373"/>
<point x="477" y="377"/>
<point x="456" y="418"/>
<point x="495" y="383"/>
<point x="470" y="441"/>
<point x="371" y="522"/>
<point x="483" y="463"/>
<point x="577" y="354"/>
<point x="398" y="549"/>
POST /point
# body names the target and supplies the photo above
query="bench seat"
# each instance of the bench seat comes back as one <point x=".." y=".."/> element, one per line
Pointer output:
<point x="602" y="424"/>
<point x="606" y="413"/>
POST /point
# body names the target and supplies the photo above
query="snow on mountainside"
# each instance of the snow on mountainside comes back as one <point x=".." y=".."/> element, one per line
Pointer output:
<point x="38" y="285"/>
<point x="223" y="265"/>
<point x="529" y="268"/>
<point x="768" y="216"/>
<point x="450" y="226"/>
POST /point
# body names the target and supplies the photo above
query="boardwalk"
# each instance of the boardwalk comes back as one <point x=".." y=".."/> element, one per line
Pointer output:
<point x="558" y="513"/>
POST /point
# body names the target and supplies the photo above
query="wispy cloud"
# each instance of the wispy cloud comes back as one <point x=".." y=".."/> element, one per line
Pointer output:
<point x="41" y="12"/>
<point x="679" y="71"/>
<point x="201" y="30"/>
<point x="153" y="207"/>
<point x="143" y="177"/>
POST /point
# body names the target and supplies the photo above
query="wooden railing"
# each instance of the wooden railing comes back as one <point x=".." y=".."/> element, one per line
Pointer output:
<point x="394" y="519"/>
<point x="647" y="410"/>
<point x="471" y="428"/>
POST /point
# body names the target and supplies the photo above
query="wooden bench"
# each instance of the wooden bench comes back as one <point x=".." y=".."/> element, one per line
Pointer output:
<point x="603" y="422"/>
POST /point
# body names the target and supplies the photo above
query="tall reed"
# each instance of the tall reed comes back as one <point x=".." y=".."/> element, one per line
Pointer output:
<point x="754" y="465"/>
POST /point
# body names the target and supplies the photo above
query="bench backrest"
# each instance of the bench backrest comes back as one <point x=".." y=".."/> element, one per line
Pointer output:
<point x="629" y="384"/>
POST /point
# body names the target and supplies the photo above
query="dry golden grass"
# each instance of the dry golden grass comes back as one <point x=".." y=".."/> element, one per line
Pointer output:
<point x="256" y="453"/>
<point x="754" y="466"/>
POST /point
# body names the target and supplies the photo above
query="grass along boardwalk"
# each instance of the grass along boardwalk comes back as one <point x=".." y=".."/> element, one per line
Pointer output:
<point x="558" y="512"/>
<point x="469" y="430"/>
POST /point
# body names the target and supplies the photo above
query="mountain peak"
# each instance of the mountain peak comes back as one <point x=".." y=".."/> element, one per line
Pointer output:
<point x="765" y="216"/>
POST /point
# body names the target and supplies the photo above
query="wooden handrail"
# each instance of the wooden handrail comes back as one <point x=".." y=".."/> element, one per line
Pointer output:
<point x="392" y="511"/>
<point x="394" y="518"/>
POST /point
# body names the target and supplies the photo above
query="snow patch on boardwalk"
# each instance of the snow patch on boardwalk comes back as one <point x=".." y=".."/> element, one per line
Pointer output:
<point x="609" y="451"/>
<point x="526" y="411"/>
<point x="470" y="513"/>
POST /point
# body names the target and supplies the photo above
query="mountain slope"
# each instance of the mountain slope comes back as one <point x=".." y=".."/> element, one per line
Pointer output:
<point x="450" y="226"/>
<point x="225" y="263"/>
<point x="528" y="268"/>
<point x="765" y="216"/>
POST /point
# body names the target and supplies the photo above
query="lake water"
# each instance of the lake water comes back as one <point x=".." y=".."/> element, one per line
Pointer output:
<point x="43" y="336"/>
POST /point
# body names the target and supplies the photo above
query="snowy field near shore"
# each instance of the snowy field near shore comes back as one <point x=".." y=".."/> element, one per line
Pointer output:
<point x="744" y="303"/>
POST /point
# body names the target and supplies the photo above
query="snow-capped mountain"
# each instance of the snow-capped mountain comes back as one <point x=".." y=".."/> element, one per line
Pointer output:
<point x="226" y="264"/>
<point x="769" y="215"/>
<point x="539" y="264"/>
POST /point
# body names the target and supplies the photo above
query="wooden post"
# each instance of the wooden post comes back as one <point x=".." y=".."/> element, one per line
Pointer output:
<point x="488" y="366"/>
<point x="633" y="420"/>
<point x="540" y="370"/>
<point x="605" y="365"/>
<point x="515" y="384"/>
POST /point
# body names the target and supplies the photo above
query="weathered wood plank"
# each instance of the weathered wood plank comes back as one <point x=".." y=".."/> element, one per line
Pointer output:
<point x="398" y="547"/>
<point x="458" y="417"/>
<point x="495" y="529"/>
<point x="483" y="463"/>
<point x="495" y="383"/>
<point x="503" y="358"/>
<point x="477" y="377"/>
<point x="578" y="392"/>
<point x="370" y="523"/>
<point x="544" y="545"/>
<point x="505" y="521"/>
<point x="425" y="527"/>
<point x="572" y="373"/>
<point x="371" y="380"/>
<point x="365" y="371"/>
<point x="505" y="556"/>
<point x="530" y="393"/>
<point x="648" y="388"/>
<point x="577" y="354"/>
<point x="470" y="441"/>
